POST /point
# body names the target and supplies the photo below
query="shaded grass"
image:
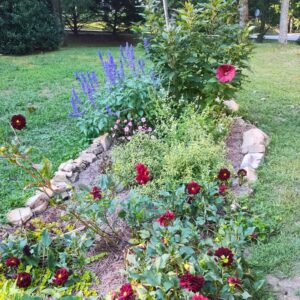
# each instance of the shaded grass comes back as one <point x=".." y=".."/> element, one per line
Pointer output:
<point x="272" y="100"/>
<point x="45" y="81"/>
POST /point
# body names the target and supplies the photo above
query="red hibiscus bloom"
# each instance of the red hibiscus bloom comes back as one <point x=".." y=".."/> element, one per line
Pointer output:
<point x="242" y="173"/>
<point x="222" y="188"/>
<point x="225" y="255"/>
<point x="23" y="280"/>
<point x="225" y="73"/>
<point x="199" y="297"/>
<point x="165" y="219"/>
<point x="143" y="174"/>
<point x="233" y="282"/>
<point x="224" y="174"/>
<point x="192" y="283"/>
<point x="126" y="292"/>
<point x="18" y="122"/>
<point x="61" y="276"/>
<point x="96" y="193"/>
<point x="193" y="188"/>
<point x="12" y="262"/>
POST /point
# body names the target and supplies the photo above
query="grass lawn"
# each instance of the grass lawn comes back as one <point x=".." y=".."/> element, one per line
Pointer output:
<point x="272" y="100"/>
<point x="44" y="80"/>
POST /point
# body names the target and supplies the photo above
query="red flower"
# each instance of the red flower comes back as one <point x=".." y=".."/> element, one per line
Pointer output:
<point x="199" y="297"/>
<point x="242" y="173"/>
<point x="26" y="250"/>
<point x="225" y="73"/>
<point x="143" y="174"/>
<point x="193" y="188"/>
<point x="12" y="262"/>
<point x="18" y="122"/>
<point x="165" y="219"/>
<point x="222" y="188"/>
<point x="23" y="280"/>
<point x="61" y="276"/>
<point x="96" y="193"/>
<point x="225" y="255"/>
<point x="126" y="292"/>
<point x="224" y="174"/>
<point x="233" y="282"/>
<point x="192" y="283"/>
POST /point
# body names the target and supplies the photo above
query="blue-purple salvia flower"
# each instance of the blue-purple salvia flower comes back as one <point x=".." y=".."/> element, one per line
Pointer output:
<point x="75" y="102"/>
<point x="109" y="111"/>
<point x="141" y="63"/>
<point x="146" y="45"/>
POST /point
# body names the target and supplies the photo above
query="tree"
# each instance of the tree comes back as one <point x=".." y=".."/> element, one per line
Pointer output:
<point x="119" y="15"/>
<point x="76" y="13"/>
<point x="284" y="21"/>
<point x="28" y="26"/>
<point x="244" y="12"/>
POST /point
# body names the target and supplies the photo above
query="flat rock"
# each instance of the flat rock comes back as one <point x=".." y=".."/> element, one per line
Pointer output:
<point x="60" y="187"/>
<point x="37" y="200"/>
<point x="41" y="208"/>
<point x="105" y="140"/>
<point x="252" y="160"/>
<point x="19" y="216"/>
<point x="61" y="176"/>
<point x="232" y="105"/>
<point x="68" y="166"/>
<point x="243" y="191"/>
<point x="88" y="157"/>
<point x="252" y="137"/>
<point x="257" y="148"/>
<point x="251" y="174"/>
<point x="46" y="191"/>
<point x="285" y="288"/>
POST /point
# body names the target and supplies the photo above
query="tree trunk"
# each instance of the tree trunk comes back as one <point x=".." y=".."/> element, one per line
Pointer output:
<point x="244" y="12"/>
<point x="165" y="4"/>
<point x="284" y="21"/>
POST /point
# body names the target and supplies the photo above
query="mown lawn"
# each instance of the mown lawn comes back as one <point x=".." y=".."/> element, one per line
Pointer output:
<point x="45" y="81"/>
<point x="272" y="100"/>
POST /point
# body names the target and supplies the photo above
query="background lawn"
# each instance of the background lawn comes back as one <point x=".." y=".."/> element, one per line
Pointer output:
<point x="44" y="80"/>
<point x="272" y="100"/>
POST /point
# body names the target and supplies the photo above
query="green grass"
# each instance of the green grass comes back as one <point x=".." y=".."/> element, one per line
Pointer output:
<point x="44" y="80"/>
<point x="272" y="100"/>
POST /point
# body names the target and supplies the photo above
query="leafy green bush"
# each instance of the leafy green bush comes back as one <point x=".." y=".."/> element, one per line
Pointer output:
<point x="185" y="152"/>
<point x="28" y="26"/>
<point x="186" y="55"/>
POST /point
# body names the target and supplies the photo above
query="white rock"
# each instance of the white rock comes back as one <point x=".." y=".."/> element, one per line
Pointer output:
<point x="68" y="166"/>
<point x="41" y="208"/>
<point x="95" y="148"/>
<point x="61" y="176"/>
<point x="19" y="216"/>
<point x="252" y="137"/>
<point x="232" y="105"/>
<point x="46" y="191"/>
<point x="251" y="174"/>
<point x="257" y="148"/>
<point x="252" y="160"/>
<point x="105" y="140"/>
<point x="60" y="187"/>
<point x="37" y="200"/>
<point x="88" y="157"/>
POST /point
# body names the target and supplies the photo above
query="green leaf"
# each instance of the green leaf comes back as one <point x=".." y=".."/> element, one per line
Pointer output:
<point x="46" y="239"/>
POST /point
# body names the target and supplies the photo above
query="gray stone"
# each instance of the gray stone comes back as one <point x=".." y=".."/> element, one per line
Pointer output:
<point x="41" y="208"/>
<point x="232" y="105"/>
<point x="88" y="157"/>
<point x="19" y="216"/>
<point x="68" y="166"/>
<point x="105" y="140"/>
<point x="37" y="200"/>
<point x="74" y="177"/>
<point x="243" y="191"/>
<point x="252" y="160"/>
<point x="252" y="137"/>
<point x="61" y="176"/>
<point x="60" y="187"/>
<point x="96" y="149"/>
<point x="65" y="196"/>
<point x="49" y="193"/>
<point x="257" y="148"/>
<point x="251" y="174"/>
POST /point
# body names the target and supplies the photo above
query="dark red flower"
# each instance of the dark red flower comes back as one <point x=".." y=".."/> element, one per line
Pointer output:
<point x="26" y="250"/>
<point x="142" y="179"/>
<point x="192" y="283"/>
<point x="143" y="174"/>
<point x="193" y="188"/>
<point x="242" y="173"/>
<point x="165" y="219"/>
<point x="224" y="174"/>
<point x="199" y="297"/>
<point x="253" y="236"/>
<point x="18" y="122"/>
<point x="61" y="276"/>
<point x="233" y="282"/>
<point x="126" y="292"/>
<point x="12" y="262"/>
<point x="225" y="73"/>
<point x="23" y="280"/>
<point x="222" y="188"/>
<point x="141" y="169"/>
<point x="96" y="193"/>
<point x="225" y="255"/>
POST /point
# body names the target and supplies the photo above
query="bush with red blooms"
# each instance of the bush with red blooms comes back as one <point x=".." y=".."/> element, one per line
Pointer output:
<point x="165" y="219"/>
<point x="192" y="283"/>
<point x="199" y="297"/>
<point x="142" y="174"/>
<point x="225" y="256"/>
<point x="193" y="188"/>
<point x="233" y="282"/>
<point x="222" y="188"/>
<point x="18" y="122"/>
<point x="23" y="280"/>
<point x="225" y="73"/>
<point x="224" y="174"/>
<point x="96" y="193"/>
<point x="126" y="292"/>
<point x="61" y="276"/>
<point x="12" y="262"/>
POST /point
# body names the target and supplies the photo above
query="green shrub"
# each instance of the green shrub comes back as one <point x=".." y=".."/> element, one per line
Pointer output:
<point x="187" y="54"/>
<point x="185" y="152"/>
<point x="28" y="26"/>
